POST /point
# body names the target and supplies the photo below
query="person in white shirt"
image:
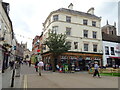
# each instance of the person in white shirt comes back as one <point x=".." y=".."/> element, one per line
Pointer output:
<point x="96" y="67"/>
<point x="40" y="66"/>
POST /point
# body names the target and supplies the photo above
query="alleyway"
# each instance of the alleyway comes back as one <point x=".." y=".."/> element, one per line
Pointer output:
<point x="30" y="79"/>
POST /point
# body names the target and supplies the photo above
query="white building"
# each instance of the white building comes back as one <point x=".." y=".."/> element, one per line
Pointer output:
<point x="119" y="18"/>
<point x="6" y="33"/>
<point x="83" y="30"/>
<point x="111" y="46"/>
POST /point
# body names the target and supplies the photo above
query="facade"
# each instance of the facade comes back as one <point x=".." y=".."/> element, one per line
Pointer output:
<point x="83" y="34"/>
<point x="36" y="48"/>
<point x="111" y="46"/>
<point x="27" y="53"/>
<point x="6" y="33"/>
<point x="119" y="18"/>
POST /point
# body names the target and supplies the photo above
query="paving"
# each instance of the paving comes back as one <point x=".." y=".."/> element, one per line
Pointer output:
<point x="30" y="79"/>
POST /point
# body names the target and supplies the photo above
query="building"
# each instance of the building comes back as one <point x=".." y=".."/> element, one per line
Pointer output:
<point x="111" y="46"/>
<point x="83" y="30"/>
<point x="119" y="18"/>
<point x="27" y="52"/>
<point x="36" y="48"/>
<point x="6" y="33"/>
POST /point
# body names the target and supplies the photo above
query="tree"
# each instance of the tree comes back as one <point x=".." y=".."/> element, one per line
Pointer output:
<point x="57" y="45"/>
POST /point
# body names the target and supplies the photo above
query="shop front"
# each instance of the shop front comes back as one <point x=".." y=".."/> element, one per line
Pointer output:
<point x="81" y="61"/>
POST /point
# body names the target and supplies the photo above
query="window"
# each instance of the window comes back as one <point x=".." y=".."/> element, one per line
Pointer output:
<point x="94" y="23"/>
<point x="85" y="22"/>
<point x="0" y="25"/>
<point x="68" y="31"/>
<point x="94" y="48"/>
<point x="55" y="29"/>
<point x="85" y="47"/>
<point x="55" y="18"/>
<point x="76" y="45"/>
<point x="112" y="51"/>
<point x="68" y="19"/>
<point x="69" y="44"/>
<point x="106" y="50"/>
<point x="86" y="33"/>
<point x="94" y="34"/>
<point x="44" y="47"/>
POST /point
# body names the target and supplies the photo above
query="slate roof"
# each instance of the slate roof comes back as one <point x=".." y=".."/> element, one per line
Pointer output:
<point x="77" y="13"/>
<point x="111" y="38"/>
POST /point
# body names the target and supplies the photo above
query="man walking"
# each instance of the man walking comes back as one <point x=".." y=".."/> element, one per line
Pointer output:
<point x="40" y="66"/>
<point x="96" y="67"/>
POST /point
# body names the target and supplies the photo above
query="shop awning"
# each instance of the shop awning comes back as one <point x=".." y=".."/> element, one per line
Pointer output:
<point x="114" y="57"/>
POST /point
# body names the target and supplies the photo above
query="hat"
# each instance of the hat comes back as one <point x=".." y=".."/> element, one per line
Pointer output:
<point x="96" y="62"/>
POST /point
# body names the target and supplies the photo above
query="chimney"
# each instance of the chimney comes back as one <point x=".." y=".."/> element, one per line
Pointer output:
<point x="114" y="24"/>
<point x="70" y="6"/>
<point x="91" y="11"/>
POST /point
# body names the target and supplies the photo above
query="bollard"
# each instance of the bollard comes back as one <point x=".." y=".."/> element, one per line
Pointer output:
<point x="12" y="81"/>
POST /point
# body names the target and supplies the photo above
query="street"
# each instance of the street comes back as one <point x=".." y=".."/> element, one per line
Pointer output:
<point x="30" y="79"/>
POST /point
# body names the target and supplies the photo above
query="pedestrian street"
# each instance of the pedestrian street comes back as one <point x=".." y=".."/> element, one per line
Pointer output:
<point x="29" y="78"/>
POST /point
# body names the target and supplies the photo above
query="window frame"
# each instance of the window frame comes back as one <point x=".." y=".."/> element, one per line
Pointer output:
<point x="85" y="34"/>
<point x="95" y="47"/>
<point x="94" y="35"/>
<point x="107" y="50"/>
<point x="68" y="33"/>
<point x="112" y="52"/>
<point x="85" y="22"/>
<point x="55" y="17"/>
<point x="54" y="29"/>
<point x="86" y="47"/>
<point x="94" y="23"/>
<point x="68" y="19"/>
<point x="75" y="45"/>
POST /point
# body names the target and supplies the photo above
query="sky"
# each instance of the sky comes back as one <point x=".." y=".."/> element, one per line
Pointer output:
<point x="28" y="15"/>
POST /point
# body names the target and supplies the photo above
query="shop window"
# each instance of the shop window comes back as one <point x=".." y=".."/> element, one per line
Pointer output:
<point x="106" y="50"/>
<point x="112" y="51"/>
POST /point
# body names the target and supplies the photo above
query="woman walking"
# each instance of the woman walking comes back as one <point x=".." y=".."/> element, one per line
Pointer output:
<point x="96" y="72"/>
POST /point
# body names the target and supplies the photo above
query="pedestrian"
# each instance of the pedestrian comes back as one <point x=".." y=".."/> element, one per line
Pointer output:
<point x="36" y="65"/>
<point x="96" y="72"/>
<point x="29" y="63"/>
<point x="40" y="66"/>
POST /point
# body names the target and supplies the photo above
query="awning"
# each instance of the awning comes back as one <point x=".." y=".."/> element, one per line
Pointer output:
<point x="114" y="57"/>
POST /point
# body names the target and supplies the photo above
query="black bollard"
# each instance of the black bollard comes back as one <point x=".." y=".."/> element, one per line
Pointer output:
<point x="12" y="81"/>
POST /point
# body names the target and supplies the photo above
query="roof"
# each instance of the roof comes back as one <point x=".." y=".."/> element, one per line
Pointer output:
<point x="111" y="38"/>
<point x="74" y="12"/>
<point x="77" y="13"/>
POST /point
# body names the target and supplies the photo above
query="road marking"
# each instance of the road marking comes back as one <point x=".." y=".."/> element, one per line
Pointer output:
<point x="25" y="82"/>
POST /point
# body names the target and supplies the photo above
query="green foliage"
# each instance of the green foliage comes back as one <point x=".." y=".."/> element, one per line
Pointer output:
<point x="57" y="43"/>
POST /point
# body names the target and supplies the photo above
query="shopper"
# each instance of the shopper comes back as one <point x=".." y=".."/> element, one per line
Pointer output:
<point x="40" y="66"/>
<point x="36" y="65"/>
<point x="96" y="72"/>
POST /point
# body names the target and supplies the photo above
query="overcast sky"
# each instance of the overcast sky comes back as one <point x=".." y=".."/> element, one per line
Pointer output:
<point x="28" y="15"/>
